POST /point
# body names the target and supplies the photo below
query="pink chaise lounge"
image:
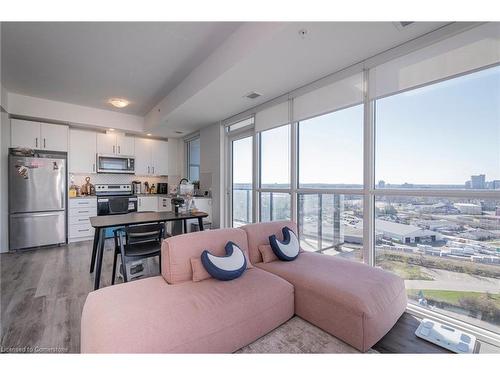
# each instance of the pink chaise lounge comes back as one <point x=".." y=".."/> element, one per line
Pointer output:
<point x="173" y="314"/>
<point x="357" y="303"/>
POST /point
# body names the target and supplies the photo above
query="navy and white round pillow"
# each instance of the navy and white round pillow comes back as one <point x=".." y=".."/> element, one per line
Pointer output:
<point x="227" y="267"/>
<point x="289" y="248"/>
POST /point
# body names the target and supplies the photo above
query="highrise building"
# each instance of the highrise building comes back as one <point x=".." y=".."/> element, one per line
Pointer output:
<point x="478" y="181"/>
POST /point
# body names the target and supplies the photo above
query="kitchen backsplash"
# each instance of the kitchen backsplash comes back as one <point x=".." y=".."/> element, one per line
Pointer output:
<point x="112" y="178"/>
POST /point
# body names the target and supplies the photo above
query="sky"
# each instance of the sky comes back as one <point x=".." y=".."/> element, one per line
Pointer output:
<point x="439" y="134"/>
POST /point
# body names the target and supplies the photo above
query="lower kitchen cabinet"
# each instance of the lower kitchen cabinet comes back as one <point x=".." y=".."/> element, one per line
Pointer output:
<point x="147" y="203"/>
<point x="80" y="211"/>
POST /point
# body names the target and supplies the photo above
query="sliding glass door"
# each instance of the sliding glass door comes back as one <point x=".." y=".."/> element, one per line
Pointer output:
<point x="241" y="159"/>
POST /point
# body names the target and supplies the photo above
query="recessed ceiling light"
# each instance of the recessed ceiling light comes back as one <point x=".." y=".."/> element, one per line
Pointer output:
<point x="118" y="103"/>
<point x="149" y="134"/>
<point x="111" y="129"/>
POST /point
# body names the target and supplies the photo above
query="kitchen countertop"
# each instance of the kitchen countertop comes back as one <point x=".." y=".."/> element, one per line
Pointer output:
<point x="141" y="195"/>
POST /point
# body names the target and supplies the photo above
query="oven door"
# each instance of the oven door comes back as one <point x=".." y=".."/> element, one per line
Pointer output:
<point x="115" y="164"/>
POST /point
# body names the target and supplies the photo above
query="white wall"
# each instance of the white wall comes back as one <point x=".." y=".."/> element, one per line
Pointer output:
<point x="210" y="170"/>
<point x="71" y="113"/>
<point x="4" y="199"/>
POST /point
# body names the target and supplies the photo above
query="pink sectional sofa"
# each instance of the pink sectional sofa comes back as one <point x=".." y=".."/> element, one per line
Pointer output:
<point x="173" y="314"/>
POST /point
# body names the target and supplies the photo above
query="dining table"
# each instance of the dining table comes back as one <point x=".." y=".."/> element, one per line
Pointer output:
<point x="100" y="223"/>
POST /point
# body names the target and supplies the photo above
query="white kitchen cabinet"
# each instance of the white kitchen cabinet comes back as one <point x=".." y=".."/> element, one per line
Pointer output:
<point x="124" y="145"/>
<point x="80" y="211"/>
<point x="151" y="157"/>
<point x="164" y="204"/>
<point x="106" y="143"/>
<point x="25" y="133"/>
<point x="143" y="148"/>
<point x="173" y="159"/>
<point x="159" y="158"/>
<point x="82" y="151"/>
<point x="147" y="204"/>
<point x="115" y="144"/>
<point x="40" y="136"/>
<point x="54" y="137"/>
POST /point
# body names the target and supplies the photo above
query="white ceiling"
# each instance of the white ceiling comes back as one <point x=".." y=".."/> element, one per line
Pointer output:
<point x="86" y="63"/>
<point x="183" y="76"/>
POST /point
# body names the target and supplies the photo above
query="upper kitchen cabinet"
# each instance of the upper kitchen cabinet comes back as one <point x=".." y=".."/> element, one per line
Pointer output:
<point x="54" y="137"/>
<point x="151" y="157"/>
<point x="40" y="136"/>
<point x="160" y="158"/>
<point x="173" y="159"/>
<point x="115" y="144"/>
<point x="143" y="151"/>
<point x="125" y="145"/>
<point x="82" y="151"/>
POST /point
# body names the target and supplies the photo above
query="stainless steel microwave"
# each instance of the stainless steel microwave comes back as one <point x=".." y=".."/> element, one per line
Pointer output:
<point x="115" y="164"/>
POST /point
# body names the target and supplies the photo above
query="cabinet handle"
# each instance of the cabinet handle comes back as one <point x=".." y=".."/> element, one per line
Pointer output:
<point x="83" y="219"/>
<point x="36" y="142"/>
<point x="83" y="230"/>
<point x="44" y="143"/>
<point x="148" y="169"/>
<point x="153" y="170"/>
<point x="119" y="150"/>
<point x="82" y="212"/>
<point x="93" y="167"/>
<point x="113" y="149"/>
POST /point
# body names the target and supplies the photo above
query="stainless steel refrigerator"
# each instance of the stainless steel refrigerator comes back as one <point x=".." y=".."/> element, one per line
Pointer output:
<point x="37" y="199"/>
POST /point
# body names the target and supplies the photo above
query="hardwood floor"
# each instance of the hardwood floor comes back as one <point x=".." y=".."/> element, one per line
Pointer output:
<point x="43" y="292"/>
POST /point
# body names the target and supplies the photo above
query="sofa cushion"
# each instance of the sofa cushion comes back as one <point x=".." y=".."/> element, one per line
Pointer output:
<point x="353" y="301"/>
<point x="151" y="316"/>
<point x="258" y="234"/>
<point x="177" y="251"/>
<point x="267" y="253"/>
<point x="228" y="267"/>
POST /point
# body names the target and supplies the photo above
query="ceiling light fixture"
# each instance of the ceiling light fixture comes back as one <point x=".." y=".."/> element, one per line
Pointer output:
<point x="118" y="103"/>
<point x="149" y="134"/>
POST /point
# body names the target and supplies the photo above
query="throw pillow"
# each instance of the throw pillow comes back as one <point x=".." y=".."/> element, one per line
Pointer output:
<point x="289" y="248"/>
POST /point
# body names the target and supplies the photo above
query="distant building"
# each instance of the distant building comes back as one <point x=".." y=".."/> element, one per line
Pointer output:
<point x="469" y="208"/>
<point x="478" y="181"/>
<point x="495" y="185"/>
<point x="497" y="211"/>
<point x="405" y="233"/>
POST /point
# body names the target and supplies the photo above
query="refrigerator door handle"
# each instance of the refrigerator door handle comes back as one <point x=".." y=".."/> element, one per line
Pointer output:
<point x="36" y="142"/>
<point x="44" y="146"/>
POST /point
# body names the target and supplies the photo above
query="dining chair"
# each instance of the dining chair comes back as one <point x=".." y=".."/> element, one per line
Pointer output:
<point x="137" y="242"/>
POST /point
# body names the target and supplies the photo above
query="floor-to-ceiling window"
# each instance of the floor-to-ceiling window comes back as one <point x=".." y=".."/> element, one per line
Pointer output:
<point x="274" y="192"/>
<point x="330" y="157"/>
<point x="442" y="137"/>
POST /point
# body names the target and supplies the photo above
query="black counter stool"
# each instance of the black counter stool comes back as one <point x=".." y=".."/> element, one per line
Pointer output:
<point x="137" y="242"/>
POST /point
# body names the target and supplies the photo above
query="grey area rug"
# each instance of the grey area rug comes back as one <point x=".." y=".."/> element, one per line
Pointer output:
<point x="298" y="336"/>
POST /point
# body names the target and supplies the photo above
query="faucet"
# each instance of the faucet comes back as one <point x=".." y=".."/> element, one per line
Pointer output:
<point x="184" y="179"/>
